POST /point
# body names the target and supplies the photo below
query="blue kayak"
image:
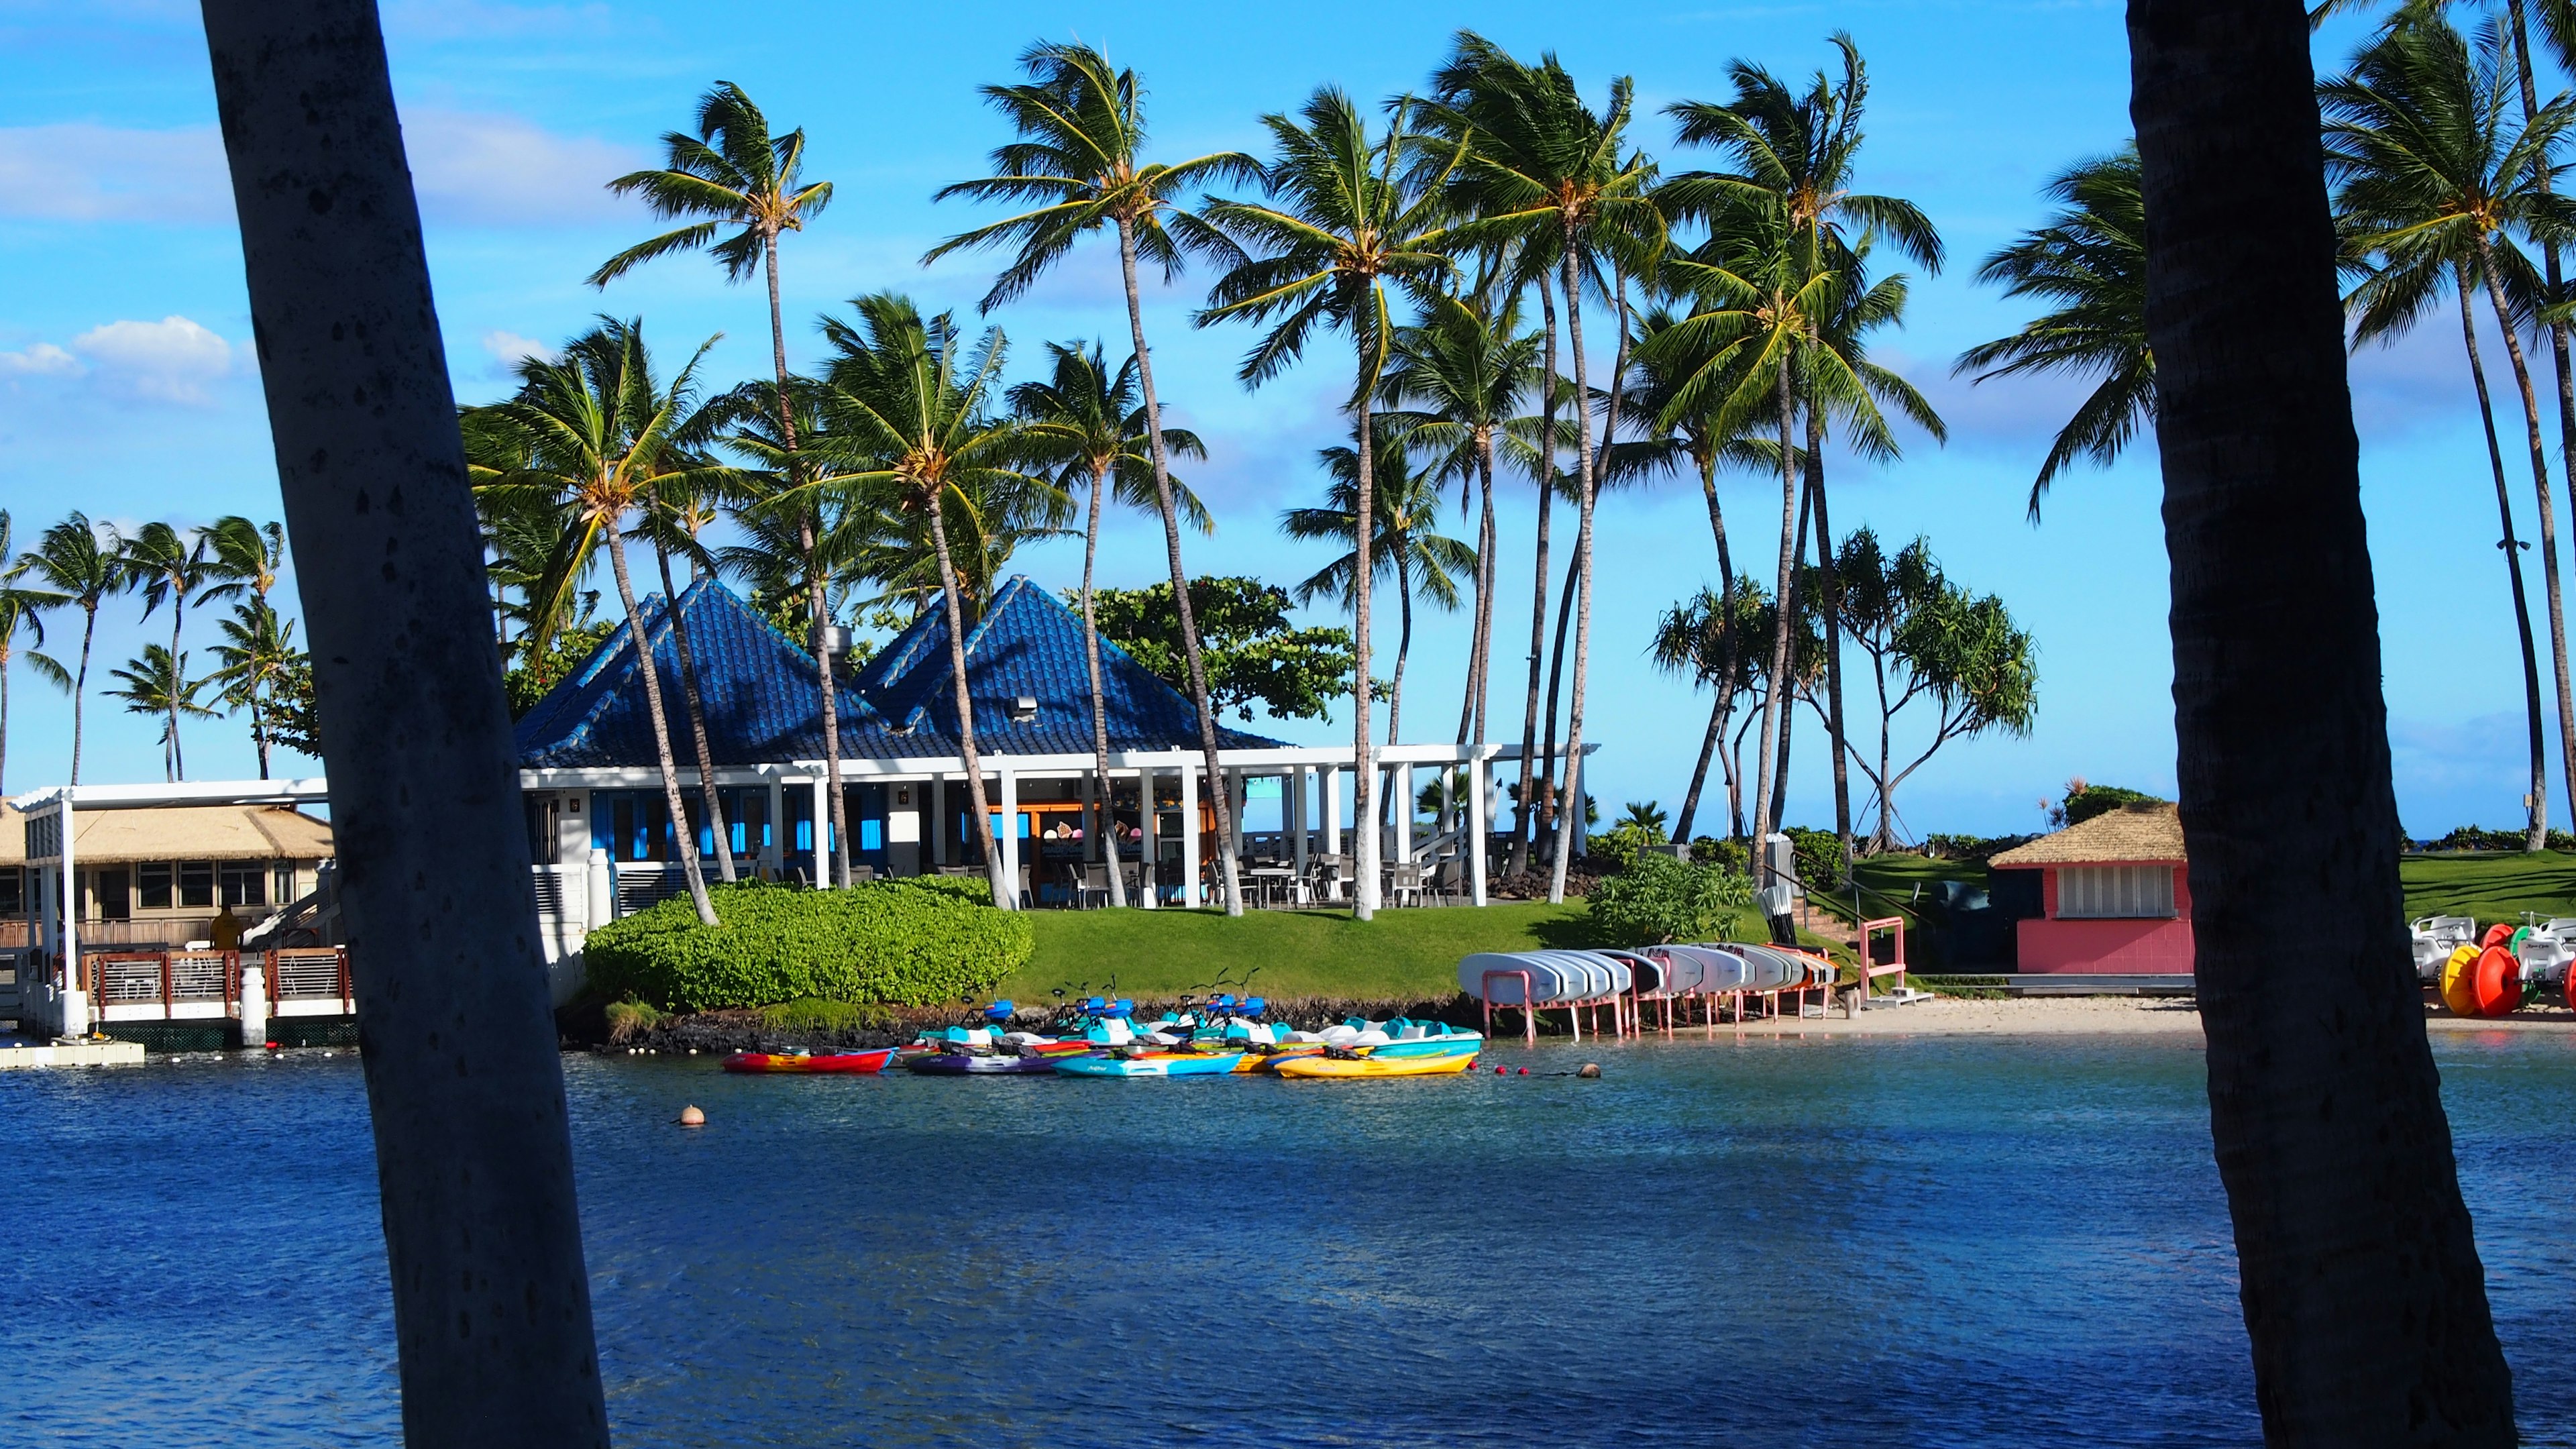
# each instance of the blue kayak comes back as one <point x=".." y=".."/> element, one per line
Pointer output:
<point x="1150" y="1064"/>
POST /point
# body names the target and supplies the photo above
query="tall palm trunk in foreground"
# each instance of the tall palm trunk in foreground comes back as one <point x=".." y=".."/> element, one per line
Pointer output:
<point x="464" y="1085"/>
<point x="2559" y="326"/>
<point x="684" y="841"/>
<point x="2363" y="1295"/>
<point x="1775" y="699"/>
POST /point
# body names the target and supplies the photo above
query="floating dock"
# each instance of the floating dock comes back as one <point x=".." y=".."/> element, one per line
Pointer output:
<point x="19" y="1051"/>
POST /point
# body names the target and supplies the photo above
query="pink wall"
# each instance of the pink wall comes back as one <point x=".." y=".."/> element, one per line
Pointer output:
<point x="2130" y="947"/>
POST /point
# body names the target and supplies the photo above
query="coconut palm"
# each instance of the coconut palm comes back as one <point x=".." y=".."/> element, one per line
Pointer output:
<point x="1088" y="425"/>
<point x="1078" y="162"/>
<point x="890" y="548"/>
<point x="599" y="433"/>
<point x="2090" y="260"/>
<point x="84" y="563"/>
<point x="168" y="564"/>
<point x="677" y="506"/>
<point x="915" y="399"/>
<point x="1712" y="638"/>
<point x="1544" y="175"/>
<point x="2434" y="177"/>
<point x="1347" y="214"/>
<point x="158" y="683"/>
<point x="1404" y="542"/>
<point x="22" y="613"/>
<point x="247" y="559"/>
<point x="255" y="661"/>
<point x="747" y="189"/>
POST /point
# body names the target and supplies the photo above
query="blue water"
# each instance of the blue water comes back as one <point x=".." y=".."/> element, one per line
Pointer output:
<point x="1854" y="1242"/>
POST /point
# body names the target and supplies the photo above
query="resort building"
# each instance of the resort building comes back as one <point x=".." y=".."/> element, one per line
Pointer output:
<point x="2115" y="898"/>
<point x="160" y="876"/>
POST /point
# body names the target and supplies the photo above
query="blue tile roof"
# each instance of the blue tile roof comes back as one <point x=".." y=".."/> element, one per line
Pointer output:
<point x="762" y="708"/>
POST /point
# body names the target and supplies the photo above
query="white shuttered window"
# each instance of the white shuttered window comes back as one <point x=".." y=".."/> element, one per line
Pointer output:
<point x="2096" y="892"/>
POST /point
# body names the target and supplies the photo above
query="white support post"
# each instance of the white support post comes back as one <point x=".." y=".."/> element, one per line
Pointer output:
<point x="1295" y="785"/>
<point x="1477" y="833"/>
<point x="254" y="999"/>
<point x="75" y="998"/>
<point x="599" y="891"/>
<point x="1400" y="809"/>
<point x="773" y="856"/>
<point x="1147" y="847"/>
<point x="1007" y="835"/>
<point x="1329" y="779"/>
<point x="822" y="876"/>
<point x="1189" y="838"/>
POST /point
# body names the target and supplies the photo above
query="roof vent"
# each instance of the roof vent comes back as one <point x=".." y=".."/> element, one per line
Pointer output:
<point x="829" y="639"/>
<point x="1024" y="709"/>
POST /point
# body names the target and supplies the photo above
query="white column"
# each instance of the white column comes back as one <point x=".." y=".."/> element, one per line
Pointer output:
<point x="1401" y="809"/>
<point x="822" y="832"/>
<point x="1189" y="837"/>
<point x="1008" y="836"/>
<point x="254" y="999"/>
<point x="1328" y="780"/>
<point x="599" y="893"/>
<point x="1295" y="785"/>
<point x="1479" y="796"/>
<point x="75" y="999"/>
<point x="1147" y="847"/>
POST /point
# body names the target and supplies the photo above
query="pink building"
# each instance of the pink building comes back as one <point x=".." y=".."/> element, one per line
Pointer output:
<point x="2114" y="896"/>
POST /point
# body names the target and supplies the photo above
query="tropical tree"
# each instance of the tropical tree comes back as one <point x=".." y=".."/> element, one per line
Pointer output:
<point x="2434" y="177"/>
<point x="1544" y="176"/>
<point x="746" y="189"/>
<point x="158" y="683"/>
<point x="1089" y="426"/>
<point x="679" y="504"/>
<point x="168" y="564"/>
<point x="247" y="559"/>
<point x="256" y="664"/>
<point x="22" y="613"/>
<point x="599" y="432"/>
<point x="1258" y="658"/>
<point x="1078" y="163"/>
<point x="1404" y="543"/>
<point x="915" y="399"/>
<point x="1714" y="638"/>
<point x="2090" y="261"/>
<point x="83" y="563"/>
<point x="1347" y="214"/>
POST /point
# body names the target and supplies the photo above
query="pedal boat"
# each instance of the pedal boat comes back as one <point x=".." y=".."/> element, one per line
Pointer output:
<point x="1150" y="1064"/>
<point x="1377" y="1064"/>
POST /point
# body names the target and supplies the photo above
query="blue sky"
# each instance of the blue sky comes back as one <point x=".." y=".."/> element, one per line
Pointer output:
<point x="126" y="384"/>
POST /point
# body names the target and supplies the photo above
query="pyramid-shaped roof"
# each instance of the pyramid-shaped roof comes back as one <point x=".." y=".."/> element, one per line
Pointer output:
<point x="762" y="707"/>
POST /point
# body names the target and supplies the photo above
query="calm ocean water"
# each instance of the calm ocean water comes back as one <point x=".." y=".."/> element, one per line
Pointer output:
<point x="1847" y="1242"/>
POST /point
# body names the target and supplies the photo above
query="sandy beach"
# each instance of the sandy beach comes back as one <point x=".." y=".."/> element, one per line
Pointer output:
<point x="2059" y="1016"/>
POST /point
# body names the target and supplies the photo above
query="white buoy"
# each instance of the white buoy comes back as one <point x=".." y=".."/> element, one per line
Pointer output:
<point x="690" y="1116"/>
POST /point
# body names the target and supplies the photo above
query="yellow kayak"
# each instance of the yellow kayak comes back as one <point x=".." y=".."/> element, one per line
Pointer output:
<point x="1427" y="1066"/>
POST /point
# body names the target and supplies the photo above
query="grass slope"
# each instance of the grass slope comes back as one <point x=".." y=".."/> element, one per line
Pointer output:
<point x="1400" y="956"/>
<point x="2490" y="887"/>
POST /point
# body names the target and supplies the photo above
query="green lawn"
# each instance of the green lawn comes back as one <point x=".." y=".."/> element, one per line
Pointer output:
<point x="1409" y="955"/>
<point x="2490" y="887"/>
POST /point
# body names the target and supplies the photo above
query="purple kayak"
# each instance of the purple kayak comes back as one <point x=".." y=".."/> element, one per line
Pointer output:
<point x="967" y="1064"/>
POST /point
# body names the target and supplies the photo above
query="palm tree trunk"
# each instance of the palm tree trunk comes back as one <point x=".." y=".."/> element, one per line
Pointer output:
<point x="1395" y="688"/>
<point x="4" y="722"/>
<point x="1550" y="815"/>
<point x="1773" y="694"/>
<point x="80" y="683"/>
<point x="258" y="725"/>
<point x="1699" y="772"/>
<point x="2536" y="830"/>
<point x="2566" y="378"/>
<point x="464" y="1083"/>
<point x="1006" y="894"/>
<point x="1526" y="825"/>
<point x="1364" y="829"/>
<point x="2363" y="1296"/>
<point x="1726" y="595"/>
<point x="1885" y="839"/>
<point x="824" y="682"/>
<point x="1571" y="792"/>
<point x="2548" y="516"/>
<point x="683" y="839"/>
<point x="717" y="829"/>
<point x="1218" y="795"/>
<point x="178" y="678"/>
<point x="1104" y="826"/>
<point x="1830" y="606"/>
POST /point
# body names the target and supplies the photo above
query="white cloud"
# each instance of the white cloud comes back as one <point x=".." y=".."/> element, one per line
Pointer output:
<point x="500" y="171"/>
<point x="172" y="360"/>
<point x="42" y="360"/>
<point x="83" y="172"/>
<point x="509" y="348"/>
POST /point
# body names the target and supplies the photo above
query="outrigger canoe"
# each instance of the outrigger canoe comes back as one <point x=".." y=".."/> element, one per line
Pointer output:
<point x="1150" y="1064"/>
<point x="1377" y="1065"/>
<point x="863" y="1063"/>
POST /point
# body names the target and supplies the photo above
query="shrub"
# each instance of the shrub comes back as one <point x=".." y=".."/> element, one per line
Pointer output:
<point x="1660" y="899"/>
<point x="896" y="943"/>
<point x="1819" y="857"/>
<point x="2084" y="801"/>
<point x="1942" y="846"/>
<point x="2473" y="837"/>
<point x="1617" y="848"/>
<point x="1727" y="854"/>
<point x="630" y="1019"/>
<point x="974" y="890"/>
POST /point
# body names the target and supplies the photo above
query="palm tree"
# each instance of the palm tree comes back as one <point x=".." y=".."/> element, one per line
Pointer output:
<point x="1347" y="215"/>
<point x="1543" y="174"/>
<point x="2091" y="261"/>
<point x="248" y="557"/>
<point x="158" y="683"/>
<point x="22" y="611"/>
<point x="1089" y="425"/>
<point x="84" y="563"/>
<point x="737" y="178"/>
<point x="1403" y="542"/>
<point x="599" y="433"/>
<point x="1706" y="638"/>
<point x="1079" y="163"/>
<point x="169" y="564"/>
<point x="916" y="400"/>
<point x="2433" y="176"/>
<point x="674" y="513"/>
<point x="256" y="658"/>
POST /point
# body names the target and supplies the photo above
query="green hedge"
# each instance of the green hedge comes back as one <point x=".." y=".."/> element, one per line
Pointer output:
<point x="898" y="943"/>
<point x="1660" y="899"/>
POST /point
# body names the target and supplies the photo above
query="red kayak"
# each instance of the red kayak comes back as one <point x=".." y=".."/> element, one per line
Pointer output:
<point x="867" y="1062"/>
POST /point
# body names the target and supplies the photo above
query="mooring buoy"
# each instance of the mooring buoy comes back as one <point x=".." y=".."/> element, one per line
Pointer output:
<point x="1589" y="1070"/>
<point x="690" y="1116"/>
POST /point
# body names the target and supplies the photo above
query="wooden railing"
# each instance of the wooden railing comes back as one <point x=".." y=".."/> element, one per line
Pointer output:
<point x="129" y="978"/>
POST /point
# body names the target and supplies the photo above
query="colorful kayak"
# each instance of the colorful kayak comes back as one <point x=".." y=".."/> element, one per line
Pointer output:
<point x="864" y="1063"/>
<point x="1378" y="1064"/>
<point x="1150" y="1064"/>
<point x="969" y="1064"/>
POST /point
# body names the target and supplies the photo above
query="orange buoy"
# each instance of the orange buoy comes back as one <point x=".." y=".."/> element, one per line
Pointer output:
<point x="2455" y="981"/>
<point x="2495" y="983"/>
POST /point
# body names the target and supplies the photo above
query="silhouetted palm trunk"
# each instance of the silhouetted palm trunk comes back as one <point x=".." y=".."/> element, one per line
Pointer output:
<point x="1829" y="605"/>
<point x="826" y="685"/>
<point x="717" y="830"/>
<point x="1570" y="794"/>
<point x="1221" y="798"/>
<point x="2536" y="829"/>
<point x="1550" y="816"/>
<point x="1774" y="694"/>
<point x="1471" y="710"/>
<point x="684" y="841"/>
<point x="464" y="1084"/>
<point x="1104" y="826"/>
<point x="1526" y="826"/>
<point x="1725" y="683"/>
<point x="1006" y="893"/>
<point x="178" y="677"/>
<point x="2363" y="1295"/>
